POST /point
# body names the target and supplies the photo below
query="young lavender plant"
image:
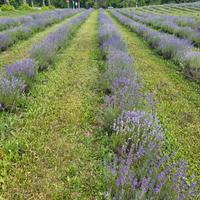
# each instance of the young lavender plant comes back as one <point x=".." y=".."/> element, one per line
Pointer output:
<point x="25" y="70"/>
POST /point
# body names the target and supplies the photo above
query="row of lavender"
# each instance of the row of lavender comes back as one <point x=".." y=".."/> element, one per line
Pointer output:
<point x="139" y="169"/>
<point x="16" y="79"/>
<point x="9" y="22"/>
<point x="183" y="27"/>
<point x="31" y="24"/>
<point x="192" y="6"/>
<point x="180" y="51"/>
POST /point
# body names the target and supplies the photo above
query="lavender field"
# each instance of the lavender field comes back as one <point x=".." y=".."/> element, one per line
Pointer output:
<point x="101" y="104"/>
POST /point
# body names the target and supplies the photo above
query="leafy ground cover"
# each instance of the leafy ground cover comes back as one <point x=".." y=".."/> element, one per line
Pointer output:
<point x="178" y="99"/>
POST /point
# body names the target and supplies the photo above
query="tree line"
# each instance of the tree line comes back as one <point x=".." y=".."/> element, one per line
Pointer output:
<point x="90" y="3"/>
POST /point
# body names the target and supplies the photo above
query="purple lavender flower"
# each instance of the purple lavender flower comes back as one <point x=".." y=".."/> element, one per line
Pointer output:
<point x="25" y="70"/>
<point x="10" y="91"/>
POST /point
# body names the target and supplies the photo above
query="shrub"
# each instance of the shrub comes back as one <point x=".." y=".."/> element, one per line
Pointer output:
<point x="192" y="68"/>
<point x="6" y="7"/>
<point x="11" y="89"/>
<point x="25" y="70"/>
<point x="51" y="7"/>
<point x="5" y="41"/>
<point x="26" y="7"/>
<point x="45" y="8"/>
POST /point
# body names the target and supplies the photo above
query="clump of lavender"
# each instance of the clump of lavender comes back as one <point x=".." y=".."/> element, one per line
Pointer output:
<point x="11" y="89"/>
<point x="25" y="70"/>
<point x="192" y="69"/>
<point x="120" y="81"/>
<point x="9" y="22"/>
<point x="139" y="173"/>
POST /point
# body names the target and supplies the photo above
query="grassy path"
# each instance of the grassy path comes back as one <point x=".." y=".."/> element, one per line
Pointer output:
<point x="21" y="49"/>
<point x="178" y="98"/>
<point x="58" y="157"/>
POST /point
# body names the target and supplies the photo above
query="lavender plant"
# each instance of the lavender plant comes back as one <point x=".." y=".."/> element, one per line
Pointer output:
<point x="11" y="89"/>
<point x="183" y="27"/>
<point x="25" y="70"/>
<point x="6" y="23"/>
<point x="120" y="81"/>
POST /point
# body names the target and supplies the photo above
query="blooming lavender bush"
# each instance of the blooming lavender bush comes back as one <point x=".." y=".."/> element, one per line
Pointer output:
<point x="11" y="89"/>
<point x="120" y="81"/>
<point x="138" y="174"/>
<point x="192" y="68"/>
<point x="8" y="22"/>
<point x="25" y="70"/>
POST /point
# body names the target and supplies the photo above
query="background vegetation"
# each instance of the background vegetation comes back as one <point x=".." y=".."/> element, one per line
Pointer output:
<point x="89" y="3"/>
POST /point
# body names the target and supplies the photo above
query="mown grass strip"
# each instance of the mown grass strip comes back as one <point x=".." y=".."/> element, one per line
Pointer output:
<point x="54" y="155"/>
<point x="178" y="99"/>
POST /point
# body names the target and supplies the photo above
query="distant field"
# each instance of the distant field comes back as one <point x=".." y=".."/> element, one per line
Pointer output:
<point x="191" y="9"/>
<point x="100" y="104"/>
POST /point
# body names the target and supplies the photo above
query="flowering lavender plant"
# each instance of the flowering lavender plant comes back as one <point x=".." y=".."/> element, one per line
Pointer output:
<point x="25" y="70"/>
<point x="11" y="89"/>
<point x="138" y="173"/>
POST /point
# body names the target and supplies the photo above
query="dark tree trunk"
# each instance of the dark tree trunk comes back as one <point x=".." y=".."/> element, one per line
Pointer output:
<point x="7" y="2"/>
<point x="79" y="4"/>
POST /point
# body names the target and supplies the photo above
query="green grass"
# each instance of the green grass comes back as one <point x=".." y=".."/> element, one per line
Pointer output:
<point x="53" y="152"/>
<point x="17" y="13"/>
<point x="178" y="98"/>
<point x="22" y="49"/>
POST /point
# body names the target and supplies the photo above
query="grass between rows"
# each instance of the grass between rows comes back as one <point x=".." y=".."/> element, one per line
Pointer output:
<point x="53" y="152"/>
<point x="22" y="49"/>
<point x="178" y="99"/>
<point x="17" y="13"/>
